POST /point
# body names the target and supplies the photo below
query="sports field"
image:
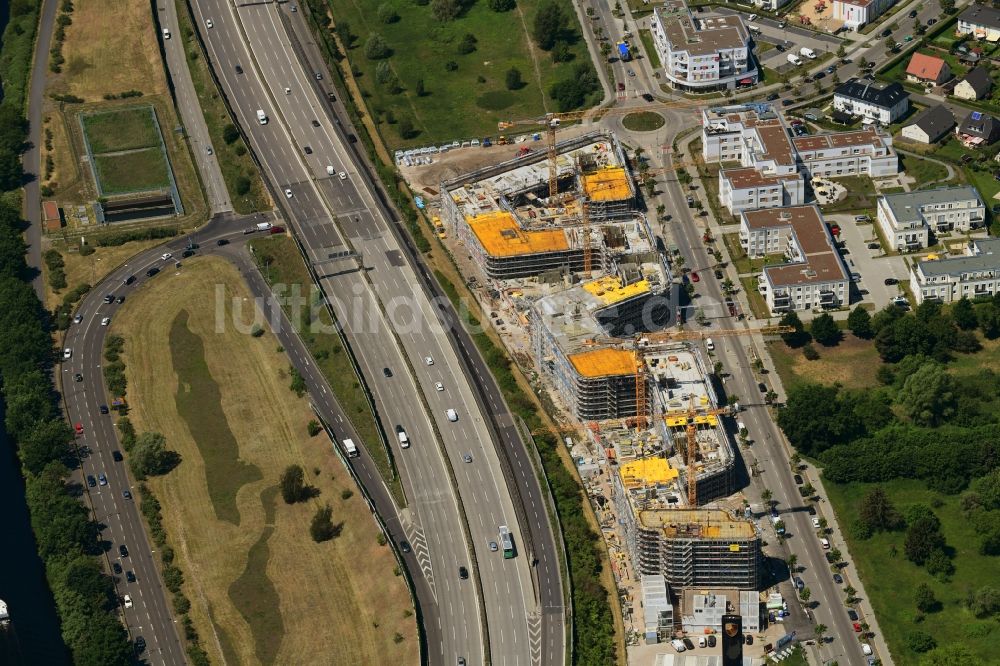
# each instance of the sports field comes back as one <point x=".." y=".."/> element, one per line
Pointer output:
<point x="134" y="171"/>
<point x="127" y="150"/>
<point x="261" y="590"/>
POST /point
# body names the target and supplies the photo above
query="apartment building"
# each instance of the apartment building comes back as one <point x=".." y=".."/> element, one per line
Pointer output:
<point x="863" y="98"/>
<point x="746" y="188"/>
<point x="702" y="54"/>
<point x="980" y="21"/>
<point x="972" y="275"/>
<point x="908" y="219"/>
<point x="863" y="152"/>
<point x="813" y="275"/>
<point x="858" y="13"/>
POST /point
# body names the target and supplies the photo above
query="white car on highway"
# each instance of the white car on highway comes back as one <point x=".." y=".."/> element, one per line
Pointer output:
<point x="209" y="24"/>
<point x="439" y="386"/>
<point x="166" y="256"/>
<point x="67" y="353"/>
<point x="128" y="601"/>
<point x="343" y="175"/>
<point x="105" y="321"/>
<point x="78" y="319"/>
<point x="428" y="360"/>
<point x="288" y="193"/>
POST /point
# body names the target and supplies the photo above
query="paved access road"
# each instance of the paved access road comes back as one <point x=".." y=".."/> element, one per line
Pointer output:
<point x="395" y="331"/>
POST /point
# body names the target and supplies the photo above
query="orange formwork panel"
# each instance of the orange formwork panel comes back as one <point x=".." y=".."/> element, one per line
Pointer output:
<point x="500" y="235"/>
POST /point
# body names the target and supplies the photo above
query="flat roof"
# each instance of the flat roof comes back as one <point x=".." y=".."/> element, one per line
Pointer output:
<point x="744" y="177"/>
<point x="500" y="235"/>
<point x="821" y="263"/>
<point x="700" y="36"/>
<point x="606" y="362"/>
<point x="607" y="184"/>
<point x="905" y="206"/>
<point x="862" y="137"/>
<point x="696" y="523"/>
<point x="987" y="258"/>
<point x="774" y="141"/>
<point x="609" y="289"/>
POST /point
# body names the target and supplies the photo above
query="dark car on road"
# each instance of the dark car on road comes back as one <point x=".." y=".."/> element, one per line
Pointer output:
<point x="130" y="576"/>
<point x="890" y="281"/>
<point x="152" y="271"/>
<point x="387" y="372"/>
<point x="851" y="613"/>
<point x="463" y="573"/>
<point x="913" y="14"/>
<point x="885" y="33"/>
<point x="221" y="242"/>
<point x="838" y="579"/>
<point x="78" y="377"/>
<point x="787" y="102"/>
<point x="405" y="546"/>
<point x="91" y="481"/>
<point x="798" y="479"/>
<point x="123" y="550"/>
<point x="103" y="409"/>
<point x="117" y="568"/>
<point x="763" y="387"/>
<point x="140" y="644"/>
<point x="117" y="455"/>
<point x="772" y="97"/>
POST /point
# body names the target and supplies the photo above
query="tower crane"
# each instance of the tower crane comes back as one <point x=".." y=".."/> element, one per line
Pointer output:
<point x="691" y="429"/>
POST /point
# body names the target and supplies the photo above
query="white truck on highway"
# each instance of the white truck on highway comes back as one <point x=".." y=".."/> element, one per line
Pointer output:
<point x="350" y="449"/>
<point x="404" y="441"/>
<point x="261" y="117"/>
<point x="263" y="226"/>
<point x="807" y="52"/>
<point x="794" y="59"/>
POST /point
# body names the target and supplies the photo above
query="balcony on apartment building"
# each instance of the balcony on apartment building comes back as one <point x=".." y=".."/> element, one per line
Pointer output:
<point x="827" y="298"/>
<point x="782" y="302"/>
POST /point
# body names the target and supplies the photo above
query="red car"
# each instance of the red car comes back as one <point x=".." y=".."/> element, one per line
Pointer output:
<point x="79" y="428"/>
<point x="694" y="277"/>
<point x="857" y="627"/>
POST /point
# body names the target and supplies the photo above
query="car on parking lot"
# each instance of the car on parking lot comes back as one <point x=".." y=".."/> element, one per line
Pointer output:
<point x="787" y="102"/>
<point x="799" y="583"/>
<point x="798" y="479"/>
<point x="780" y="48"/>
<point x="874" y="246"/>
<point x="885" y="33"/>
<point x="913" y="14"/>
<point x="123" y="550"/>
<point x="772" y="97"/>
<point x="621" y="86"/>
<point x="816" y="523"/>
<point x="831" y="69"/>
<point x="688" y="644"/>
<point x="105" y="321"/>
<point x="463" y="573"/>
<point x="117" y="568"/>
<point x="931" y="21"/>
<point x="748" y="639"/>
<point x="307" y="150"/>
<point x="891" y="280"/>
<point x="855" y="277"/>
<point x="819" y="75"/>
<point x="108" y="299"/>
<point x="117" y="455"/>
<point x="762" y="387"/>
<point x="130" y="576"/>
<point x="857" y="627"/>
<point x="718" y="274"/>
<point x="647" y="97"/>
<point x="811" y="510"/>
<point x="711" y="640"/>
<point x="852" y="614"/>
<point x="838" y="579"/>
<point x="120" y="300"/>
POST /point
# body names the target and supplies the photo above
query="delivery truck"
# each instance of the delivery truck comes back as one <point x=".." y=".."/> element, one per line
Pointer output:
<point x="807" y="53"/>
<point x="350" y="449"/>
<point x="261" y="117"/>
<point x="794" y="59"/>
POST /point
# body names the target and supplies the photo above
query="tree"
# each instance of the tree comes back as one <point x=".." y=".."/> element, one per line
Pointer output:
<point x="386" y="13"/>
<point x="322" y="528"/>
<point x="860" y="323"/>
<point x="376" y="47"/>
<point x="605" y="49"/>
<point x="406" y="129"/>
<point x="928" y="395"/>
<point x="953" y="654"/>
<point x="824" y="330"/>
<point x="314" y="428"/>
<point x="501" y="5"/>
<point x="514" y="81"/>
<point x="815" y="418"/>
<point x="984" y="602"/>
<point x="150" y="457"/>
<point x="792" y="561"/>
<point x="841" y="50"/>
<point x="344" y="32"/>
<point x="230" y="134"/>
<point x="820" y="631"/>
<point x="805" y="594"/>
<point x="947" y="6"/>
<point x="467" y="44"/>
<point x="293" y="484"/>
<point x="877" y="512"/>
<point x="988" y="318"/>
<point x="549" y="23"/>
<point x="798" y="337"/>
<point x="419" y="88"/>
<point x="889" y="43"/>
<point x="385" y="76"/>
<point x="445" y="10"/>
<point x="766" y="496"/>
<point x="920" y="641"/>
<point x="924" y="599"/>
<point x="923" y="537"/>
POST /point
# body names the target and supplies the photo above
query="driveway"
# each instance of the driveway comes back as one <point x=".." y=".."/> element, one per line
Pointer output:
<point x="873" y="265"/>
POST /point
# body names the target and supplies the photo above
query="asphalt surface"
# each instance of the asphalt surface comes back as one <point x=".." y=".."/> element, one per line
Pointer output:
<point x="32" y="157"/>
<point x="397" y="330"/>
<point x="190" y="110"/>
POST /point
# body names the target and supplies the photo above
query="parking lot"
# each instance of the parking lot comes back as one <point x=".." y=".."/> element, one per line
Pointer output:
<point x="873" y="266"/>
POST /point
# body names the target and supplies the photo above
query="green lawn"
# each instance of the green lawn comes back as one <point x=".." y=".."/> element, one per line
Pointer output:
<point x="890" y="579"/>
<point x="925" y="171"/>
<point x="466" y="101"/>
<point x="643" y="121"/>
<point x="132" y="172"/>
<point x="199" y="403"/>
<point x="648" y="49"/>
<point x="123" y="129"/>
<point x="860" y="196"/>
<point x="282" y="264"/>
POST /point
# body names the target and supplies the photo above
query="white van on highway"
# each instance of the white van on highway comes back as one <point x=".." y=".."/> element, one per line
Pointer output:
<point x="404" y="441"/>
<point x="452" y="415"/>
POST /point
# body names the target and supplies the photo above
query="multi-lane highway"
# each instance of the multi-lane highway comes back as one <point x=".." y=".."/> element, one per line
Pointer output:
<point x="367" y="275"/>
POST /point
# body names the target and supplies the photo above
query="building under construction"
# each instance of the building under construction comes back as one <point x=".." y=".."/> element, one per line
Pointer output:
<point x="514" y="228"/>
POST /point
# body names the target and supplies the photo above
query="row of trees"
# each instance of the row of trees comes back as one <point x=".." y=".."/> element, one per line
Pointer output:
<point x="66" y="536"/>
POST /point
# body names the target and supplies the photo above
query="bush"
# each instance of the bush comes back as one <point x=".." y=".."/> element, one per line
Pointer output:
<point x="322" y="528"/>
<point x="386" y="13"/>
<point x="346" y="494"/>
<point x="501" y="5"/>
<point x="122" y="237"/>
<point x="230" y="133"/>
<point x="467" y="44"/>
<point x="376" y="48"/>
<point x="314" y="428"/>
<point x="87" y="250"/>
<point x="513" y="79"/>
<point x="810" y="353"/>
<point x="293" y="485"/>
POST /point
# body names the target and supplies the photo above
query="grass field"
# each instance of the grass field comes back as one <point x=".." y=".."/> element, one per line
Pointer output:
<point x="263" y="591"/>
<point x="110" y="48"/>
<point x="469" y="100"/>
<point x="925" y="171"/>
<point x="643" y="121"/>
<point x="133" y="171"/>
<point x="890" y="580"/>
<point x="284" y="265"/>
<point x="92" y="268"/>
<point x="121" y="129"/>
<point x="852" y="363"/>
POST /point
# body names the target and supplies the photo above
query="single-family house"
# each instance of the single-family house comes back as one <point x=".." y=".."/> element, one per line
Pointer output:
<point x="930" y="125"/>
<point x="976" y="84"/>
<point x="925" y="68"/>
<point x="978" y="129"/>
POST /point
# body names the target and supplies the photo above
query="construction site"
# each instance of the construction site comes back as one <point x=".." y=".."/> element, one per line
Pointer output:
<point x="557" y="249"/>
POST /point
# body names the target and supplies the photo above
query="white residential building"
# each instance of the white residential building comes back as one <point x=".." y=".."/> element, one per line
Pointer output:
<point x="700" y="54"/>
<point x="702" y="610"/>
<point x="907" y="219"/>
<point x="862" y="152"/>
<point x="865" y="99"/>
<point x="974" y="275"/>
<point x="772" y="167"/>
<point x="857" y="13"/>
<point x="980" y="21"/>
<point x="813" y="276"/>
